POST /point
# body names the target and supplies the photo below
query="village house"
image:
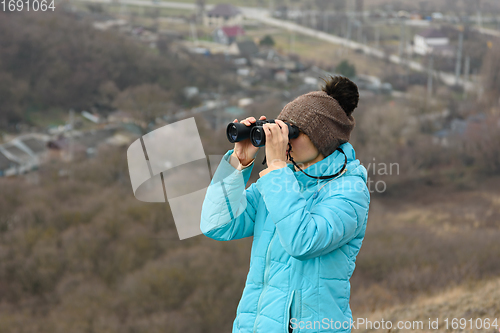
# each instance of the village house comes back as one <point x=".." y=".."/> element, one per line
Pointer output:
<point x="86" y="144"/>
<point x="227" y="34"/>
<point x="35" y="144"/>
<point x="219" y="118"/>
<point x="432" y="41"/>
<point x="272" y="60"/>
<point x="80" y="145"/>
<point x="23" y="154"/>
<point x="120" y="116"/>
<point x="26" y="162"/>
<point x="244" y="48"/>
<point x="223" y="14"/>
<point x="470" y="128"/>
<point x="8" y="167"/>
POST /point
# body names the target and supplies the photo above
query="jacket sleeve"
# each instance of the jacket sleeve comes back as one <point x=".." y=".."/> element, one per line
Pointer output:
<point x="229" y="210"/>
<point x="331" y="222"/>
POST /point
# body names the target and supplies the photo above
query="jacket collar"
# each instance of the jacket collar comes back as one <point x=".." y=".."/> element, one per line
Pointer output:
<point x="328" y="166"/>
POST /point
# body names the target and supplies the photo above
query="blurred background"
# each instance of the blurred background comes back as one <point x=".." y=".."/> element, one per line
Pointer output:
<point x="81" y="80"/>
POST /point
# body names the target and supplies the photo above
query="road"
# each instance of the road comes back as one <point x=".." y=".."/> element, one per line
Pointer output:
<point x="262" y="15"/>
<point x="490" y="32"/>
<point x="447" y="78"/>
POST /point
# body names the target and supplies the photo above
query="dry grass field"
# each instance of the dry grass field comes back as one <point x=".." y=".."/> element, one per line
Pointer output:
<point x="476" y="301"/>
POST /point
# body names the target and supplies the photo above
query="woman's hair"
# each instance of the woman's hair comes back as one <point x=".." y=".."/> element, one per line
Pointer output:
<point x="344" y="91"/>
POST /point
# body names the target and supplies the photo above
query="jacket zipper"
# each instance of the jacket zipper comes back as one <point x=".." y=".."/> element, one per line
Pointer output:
<point x="266" y="276"/>
<point x="289" y="312"/>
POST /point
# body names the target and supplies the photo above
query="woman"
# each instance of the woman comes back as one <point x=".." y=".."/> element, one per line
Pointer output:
<point x="307" y="218"/>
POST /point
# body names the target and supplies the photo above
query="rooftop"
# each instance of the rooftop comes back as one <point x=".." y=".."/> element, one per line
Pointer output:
<point x="5" y="163"/>
<point x="233" y="31"/>
<point x="37" y="146"/>
<point x="247" y="48"/>
<point x="224" y="10"/>
<point x="17" y="152"/>
<point x="432" y="33"/>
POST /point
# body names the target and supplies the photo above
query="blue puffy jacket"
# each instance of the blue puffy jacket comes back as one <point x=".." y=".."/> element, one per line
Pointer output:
<point x="306" y="236"/>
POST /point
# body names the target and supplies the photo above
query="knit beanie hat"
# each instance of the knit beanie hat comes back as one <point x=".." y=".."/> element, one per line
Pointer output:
<point x="321" y="118"/>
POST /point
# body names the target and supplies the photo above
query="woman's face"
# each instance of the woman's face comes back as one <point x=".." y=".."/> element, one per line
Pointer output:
<point x="303" y="151"/>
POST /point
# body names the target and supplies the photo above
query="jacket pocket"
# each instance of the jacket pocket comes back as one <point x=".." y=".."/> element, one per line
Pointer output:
<point x="292" y="313"/>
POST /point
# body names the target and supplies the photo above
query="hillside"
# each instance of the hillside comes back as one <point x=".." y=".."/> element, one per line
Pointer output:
<point x="477" y="301"/>
<point x="429" y="239"/>
<point x="53" y="62"/>
<point x="81" y="254"/>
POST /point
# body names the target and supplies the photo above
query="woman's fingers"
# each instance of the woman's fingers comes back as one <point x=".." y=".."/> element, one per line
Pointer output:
<point x="275" y="130"/>
<point x="284" y="127"/>
<point x="250" y="120"/>
<point x="267" y="131"/>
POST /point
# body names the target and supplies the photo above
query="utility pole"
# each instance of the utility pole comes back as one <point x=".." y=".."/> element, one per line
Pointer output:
<point x="349" y="13"/>
<point x="406" y="56"/>
<point x="122" y="9"/>
<point x="458" y="64"/>
<point x="466" y="73"/>
<point x="401" y="39"/>
<point x="377" y="36"/>
<point x="360" y="32"/>
<point x="200" y="4"/>
<point x="479" y="17"/>
<point x="71" y="143"/>
<point x="480" y="92"/>
<point x="312" y="16"/>
<point x="71" y="124"/>
<point x="403" y="58"/>
<point x="349" y="26"/>
<point x="193" y="33"/>
<point x="430" y="77"/>
<point x="359" y="5"/>
<point x="218" y="117"/>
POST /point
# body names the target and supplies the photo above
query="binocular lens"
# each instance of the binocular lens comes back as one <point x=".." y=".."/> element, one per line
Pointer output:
<point x="237" y="132"/>
<point x="233" y="132"/>
<point x="257" y="136"/>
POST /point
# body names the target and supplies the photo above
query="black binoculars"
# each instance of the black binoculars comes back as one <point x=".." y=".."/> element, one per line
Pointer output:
<point x="237" y="132"/>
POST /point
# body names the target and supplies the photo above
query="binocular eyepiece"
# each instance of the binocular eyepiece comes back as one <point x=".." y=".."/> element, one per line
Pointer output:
<point x="237" y="132"/>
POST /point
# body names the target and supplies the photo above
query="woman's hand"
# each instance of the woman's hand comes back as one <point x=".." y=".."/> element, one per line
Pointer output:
<point x="276" y="145"/>
<point x="244" y="150"/>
